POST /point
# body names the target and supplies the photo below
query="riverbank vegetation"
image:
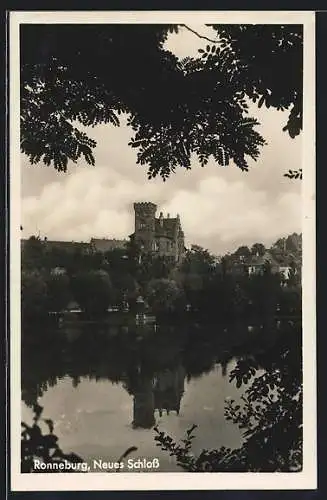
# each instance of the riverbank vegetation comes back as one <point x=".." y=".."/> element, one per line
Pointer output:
<point x="204" y="286"/>
<point x="207" y="311"/>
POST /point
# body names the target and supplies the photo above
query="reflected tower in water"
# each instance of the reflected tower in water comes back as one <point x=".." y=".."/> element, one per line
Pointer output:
<point x="168" y="388"/>
<point x="143" y="404"/>
<point x="162" y="392"/>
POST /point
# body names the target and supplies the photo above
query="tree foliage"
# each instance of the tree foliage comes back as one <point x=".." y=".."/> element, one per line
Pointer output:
<point x="59" y="291"/>
<point x="93" y="291"/>
<point x="164" y="295"/>
<point x="258" y="249"/>
<point x="242" y="252"/>
<point x="270" y="63"/>
<point x="294" y="174"/>
<point x="153" y="267"/>
<point x="34" y="294"/>
<point x="197" y="260"/>
<point x="269" y="414"/>
<point x="77" y="76"/>
<point x="32" y="253"/>
<point x="35" y="445"/>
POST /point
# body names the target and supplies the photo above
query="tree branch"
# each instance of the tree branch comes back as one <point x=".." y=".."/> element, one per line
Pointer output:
<point x="198" y="34"/>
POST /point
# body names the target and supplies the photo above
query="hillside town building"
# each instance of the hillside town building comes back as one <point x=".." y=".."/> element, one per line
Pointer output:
<point x="159" y="235"/>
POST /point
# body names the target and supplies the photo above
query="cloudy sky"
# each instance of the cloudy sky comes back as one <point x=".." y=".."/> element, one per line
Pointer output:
<point x="220" y="208"/>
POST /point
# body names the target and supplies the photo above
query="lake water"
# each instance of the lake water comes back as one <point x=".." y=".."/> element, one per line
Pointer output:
<point x="106" y="390"/>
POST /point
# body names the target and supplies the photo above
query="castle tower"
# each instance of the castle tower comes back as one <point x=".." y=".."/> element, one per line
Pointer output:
<point x="145" y="213"/>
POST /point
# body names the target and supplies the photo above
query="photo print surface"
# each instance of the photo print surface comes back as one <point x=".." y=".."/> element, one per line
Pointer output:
<point x="162" y="226"/>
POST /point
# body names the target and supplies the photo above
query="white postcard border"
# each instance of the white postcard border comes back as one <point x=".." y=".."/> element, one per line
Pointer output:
<point x="307" y="479"/>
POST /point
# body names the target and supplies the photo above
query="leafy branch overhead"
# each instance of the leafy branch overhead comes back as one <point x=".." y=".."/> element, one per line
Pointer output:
<point x="79" y="76"/>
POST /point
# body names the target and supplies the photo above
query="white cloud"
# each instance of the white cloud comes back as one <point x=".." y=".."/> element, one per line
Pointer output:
<point x="216" y="212"/>
<point x="220" y="208"/>
<point x="222" y="215"/>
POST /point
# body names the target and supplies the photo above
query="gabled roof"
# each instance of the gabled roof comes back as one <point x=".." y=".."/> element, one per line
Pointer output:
<point x="67" y="245"/>
<point x="262" y="259"/>
<point x="104" y="245"/>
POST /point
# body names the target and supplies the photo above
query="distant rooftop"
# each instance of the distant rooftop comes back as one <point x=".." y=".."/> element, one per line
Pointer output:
<point x="104" y="244"/>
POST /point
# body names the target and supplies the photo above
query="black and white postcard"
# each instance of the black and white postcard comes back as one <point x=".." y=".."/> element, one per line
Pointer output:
<point x="162" y="239"/>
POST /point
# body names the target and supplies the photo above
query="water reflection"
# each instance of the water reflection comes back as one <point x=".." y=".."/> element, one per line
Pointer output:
<point x="106" y="386"/>
<point x="144" y="357"/>
<point x="162" y="392"/>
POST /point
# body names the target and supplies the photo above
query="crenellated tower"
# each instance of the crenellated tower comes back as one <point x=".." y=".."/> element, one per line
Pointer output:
<point x="145" y="213"/>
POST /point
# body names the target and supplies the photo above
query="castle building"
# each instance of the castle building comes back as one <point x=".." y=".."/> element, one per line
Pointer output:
<point x="161" y="235"/>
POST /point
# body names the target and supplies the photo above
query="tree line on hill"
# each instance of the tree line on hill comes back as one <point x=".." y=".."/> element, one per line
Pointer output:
<point x="53" y="278"/>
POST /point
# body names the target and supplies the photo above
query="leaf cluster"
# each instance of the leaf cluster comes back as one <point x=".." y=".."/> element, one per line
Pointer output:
<point x="44" y="447"/>
<point x="294" y="174"/>
<point x="269" y="414"/>
<point x="78" y="76"/>
<point x="270" y="62"/>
